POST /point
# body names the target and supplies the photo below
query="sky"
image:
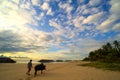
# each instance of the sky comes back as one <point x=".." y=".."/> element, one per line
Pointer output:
<point x="57" y="29"/>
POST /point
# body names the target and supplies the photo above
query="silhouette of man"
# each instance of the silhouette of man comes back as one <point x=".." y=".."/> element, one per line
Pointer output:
<point x="29" y="66"/>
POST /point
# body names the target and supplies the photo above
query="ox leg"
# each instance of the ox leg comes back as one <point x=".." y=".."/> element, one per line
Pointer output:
<point x="41" y="71"/>
<point x="35" y="73"/>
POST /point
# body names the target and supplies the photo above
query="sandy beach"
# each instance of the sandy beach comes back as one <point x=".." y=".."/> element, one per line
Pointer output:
<point x="57" y="71"/>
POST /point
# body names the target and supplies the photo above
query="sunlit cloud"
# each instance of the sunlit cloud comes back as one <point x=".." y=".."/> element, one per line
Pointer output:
<point x="46" y="6"/>
<point x="95" y="19"/>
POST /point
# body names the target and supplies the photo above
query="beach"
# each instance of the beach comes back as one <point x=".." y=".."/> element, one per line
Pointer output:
<point x="56" y="71"/>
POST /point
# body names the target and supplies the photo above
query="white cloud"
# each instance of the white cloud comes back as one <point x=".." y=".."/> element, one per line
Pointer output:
<point x="82" y="47"/>
<point x="77" y="22"/>
<point x="54" y="24"/>
<point x="115" y="8"/>
<point x="36" y="2"/>
<point x="15" y="19"/>
<point x="117" y="37"/>
<point x="116" y="27"/>
<point x="70" y="1"/>
<point x="106" y="25"/>
<point x="88" y="45"/>
<point x="23" y="4"/>
<point x="95" y="18"/>
<point x="40" y="16"/>
<point x="94" y="2"/>
<point x="67" y="7"/>
<point x="49" y="12"/>
<point x="90" y="10"/>
<point x="86" y="10"/>
<point x="12" y="15"/>
<point x="45" y="6"/>
<point x="110" y="23"/>
<point x="60" y="30"/>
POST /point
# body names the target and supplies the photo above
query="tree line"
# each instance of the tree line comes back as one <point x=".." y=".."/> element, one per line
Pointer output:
<point x="109" y="52"/>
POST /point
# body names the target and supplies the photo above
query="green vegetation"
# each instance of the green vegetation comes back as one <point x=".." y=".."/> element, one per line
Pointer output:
<point x="107" y="57"/>
<point x="102" y="65"/>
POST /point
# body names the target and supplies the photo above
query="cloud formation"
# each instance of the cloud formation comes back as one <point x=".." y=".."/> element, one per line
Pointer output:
<point x="113" y="18"/>
<point x="57" y="29"/>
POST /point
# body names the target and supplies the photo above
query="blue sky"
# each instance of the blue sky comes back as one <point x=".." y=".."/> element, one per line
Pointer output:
<point x="57" y="29"/>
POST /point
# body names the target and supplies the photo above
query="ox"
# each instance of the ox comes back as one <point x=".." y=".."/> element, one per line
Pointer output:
<point x="40" y="67"/>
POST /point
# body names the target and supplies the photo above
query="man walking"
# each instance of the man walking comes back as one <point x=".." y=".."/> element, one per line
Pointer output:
<point x="29" y="66"/>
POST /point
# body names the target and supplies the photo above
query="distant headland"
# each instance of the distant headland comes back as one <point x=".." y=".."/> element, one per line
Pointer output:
<point x="4" y="59"/>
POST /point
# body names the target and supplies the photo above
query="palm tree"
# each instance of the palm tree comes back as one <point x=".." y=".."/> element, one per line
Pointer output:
<point x="100" y="54"/>
<point x="105" y="49"/>
<point x="92" y="56"/>
<point x="109" y="46"/>
<point x="116" y="44"/>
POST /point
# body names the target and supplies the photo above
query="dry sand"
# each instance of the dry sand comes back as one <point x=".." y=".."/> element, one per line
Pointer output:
<point x="57" y="71"/>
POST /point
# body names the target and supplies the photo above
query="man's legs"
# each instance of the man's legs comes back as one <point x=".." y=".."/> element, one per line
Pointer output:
<point x="28" y="72"/>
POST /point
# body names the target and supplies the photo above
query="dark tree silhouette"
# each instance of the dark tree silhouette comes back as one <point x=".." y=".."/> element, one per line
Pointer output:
<point x="107" y="53"/>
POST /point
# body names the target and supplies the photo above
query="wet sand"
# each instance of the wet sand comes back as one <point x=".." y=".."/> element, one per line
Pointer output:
<point x="57" y="71"/>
